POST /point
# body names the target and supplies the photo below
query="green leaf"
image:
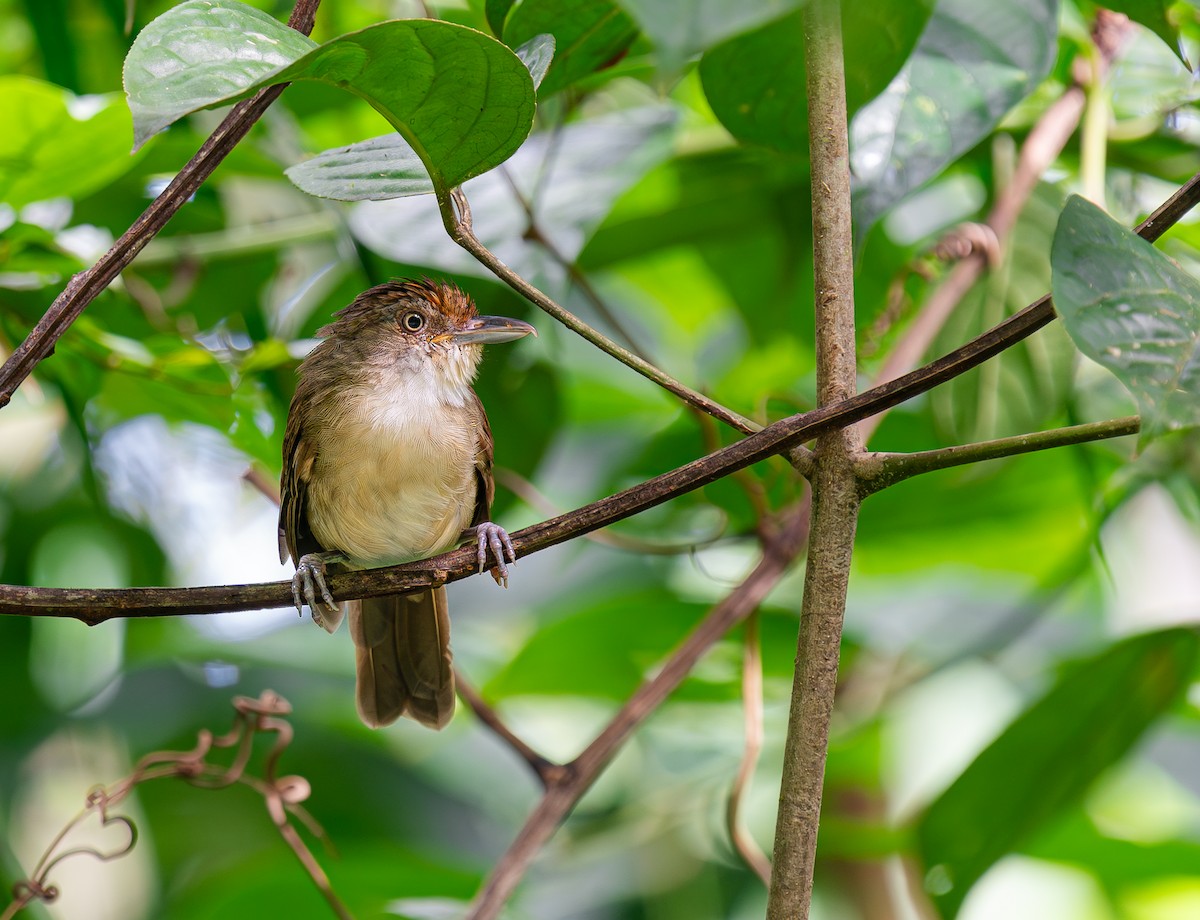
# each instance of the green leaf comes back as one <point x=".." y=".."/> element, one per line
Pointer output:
<point x="496" y="11"/>
<point x="588" y="34"/>
<point x="462" y="100"/>
<point x="371" y="170"/>
<point x="387" y="167"/>
<point x="756" y="82"/>
<point x="756" y="85"/>
<point x="201" y="54"/>
<point x="973" y="63"/>
<point x="537" y="54"/>
<point x="1131" y="309"/>
<point x="51" y="149"/>
<point x="1049" y="756"/>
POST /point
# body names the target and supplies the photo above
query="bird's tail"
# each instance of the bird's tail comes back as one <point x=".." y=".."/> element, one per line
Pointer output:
<point x="402" y="652"/>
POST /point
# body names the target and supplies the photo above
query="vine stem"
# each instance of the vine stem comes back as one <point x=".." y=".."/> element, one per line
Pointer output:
<point x="835" y="490"/>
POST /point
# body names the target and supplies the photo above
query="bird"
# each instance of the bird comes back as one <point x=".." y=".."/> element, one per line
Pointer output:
<point x="387" y="458"/>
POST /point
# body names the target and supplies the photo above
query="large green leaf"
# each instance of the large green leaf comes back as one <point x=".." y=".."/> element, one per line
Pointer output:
<point x="387" y="167"/>
<point x="588" y="35"/>
<point x="1131" y="309"/>
<point x="974" y="62"/>
<point x="1049" y="756"/>
<point x="54" y="145"/>
<point x="461" y="99"/>
<point x="756" y="82"/>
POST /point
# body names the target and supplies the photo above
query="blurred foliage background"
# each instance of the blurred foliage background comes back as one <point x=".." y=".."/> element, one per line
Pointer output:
<point x="976" y="591"/>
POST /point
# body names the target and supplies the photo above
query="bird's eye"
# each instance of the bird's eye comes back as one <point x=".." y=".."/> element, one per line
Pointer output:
<point x="413" y="322"/>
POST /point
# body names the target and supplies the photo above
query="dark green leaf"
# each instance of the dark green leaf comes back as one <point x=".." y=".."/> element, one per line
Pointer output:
<point x="47" y="151"/>
<point x="756" y="82"/>
<point x="973" y="63"/>
<point x="1131" y="309"/>
<point x="461" y="99"/>
<point x="588" y="35"/>
<point x="496" y="11"/>
<point x="387" y="167"/>
<point x="1049" y="756"/>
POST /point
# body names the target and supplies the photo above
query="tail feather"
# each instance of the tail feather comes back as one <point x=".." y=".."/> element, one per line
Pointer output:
<point x="402" y="653"/>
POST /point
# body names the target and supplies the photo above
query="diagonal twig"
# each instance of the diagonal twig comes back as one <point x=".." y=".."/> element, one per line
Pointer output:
<point x="779" y="552"/>
<point x="88" y="285"/>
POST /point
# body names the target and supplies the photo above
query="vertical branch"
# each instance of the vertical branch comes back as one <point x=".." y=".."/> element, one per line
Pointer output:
<point x="835" y="490"/>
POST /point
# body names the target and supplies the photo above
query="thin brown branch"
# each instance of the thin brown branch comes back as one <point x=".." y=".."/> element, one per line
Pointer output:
<point x="528" y="493"/>
<point x="456" y="215"/>
<point x="88" y="285"/>
<point x="95" y="606"/>
<point x="880" y="470"/>
<point x="548" y="772"/>
<point x="1039" y="151"/>
<point x="533" y="233"/>
<point x="834" y="483"/>
<point x="752" y="712"/>
<point x="779" y="552"/>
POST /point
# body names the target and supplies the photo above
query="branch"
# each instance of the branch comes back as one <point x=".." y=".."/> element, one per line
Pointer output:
<point x="834" y="482"/>
<point x="458" y="225"/>
<point x="779" y="552"/>
<point x="88" y="285"/>
<point x="547" y="770"/>
<point x="880" y="470"/>
<point x="95" y="606"/>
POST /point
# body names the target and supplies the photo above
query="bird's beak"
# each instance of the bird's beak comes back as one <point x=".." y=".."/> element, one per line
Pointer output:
<point x="487" y="330"/>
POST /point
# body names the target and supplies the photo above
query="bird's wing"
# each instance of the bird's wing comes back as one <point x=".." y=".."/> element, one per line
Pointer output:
<point x="295" y="536"/>
<point x="485" y="485"/>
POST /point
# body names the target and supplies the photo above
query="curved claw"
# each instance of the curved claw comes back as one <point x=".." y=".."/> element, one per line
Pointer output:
<point x="494" y="537"/>
<point x="308" y="580"/>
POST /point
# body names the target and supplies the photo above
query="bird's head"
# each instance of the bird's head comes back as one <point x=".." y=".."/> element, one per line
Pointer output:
<point x="415" y="324"/>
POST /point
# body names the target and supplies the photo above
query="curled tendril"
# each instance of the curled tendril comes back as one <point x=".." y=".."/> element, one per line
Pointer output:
<point x="282" y="795"/>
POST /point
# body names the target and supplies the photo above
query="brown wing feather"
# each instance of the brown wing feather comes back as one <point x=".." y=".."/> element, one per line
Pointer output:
<point x="295" y="536"/>
<point x="485" y="485"/>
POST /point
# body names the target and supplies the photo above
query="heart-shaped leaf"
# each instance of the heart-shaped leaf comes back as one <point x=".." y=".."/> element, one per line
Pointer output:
<point x="1131" y="309"/>
<point x="388" y="167"/>
<point x="461" y="99"/>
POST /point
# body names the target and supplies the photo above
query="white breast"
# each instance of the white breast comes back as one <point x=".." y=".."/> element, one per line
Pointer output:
<point x="394" y="477"/>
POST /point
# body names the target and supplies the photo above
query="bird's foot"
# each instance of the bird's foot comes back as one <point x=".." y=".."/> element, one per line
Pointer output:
<point x="496" y="538"/>
<point x="309" y="581"/>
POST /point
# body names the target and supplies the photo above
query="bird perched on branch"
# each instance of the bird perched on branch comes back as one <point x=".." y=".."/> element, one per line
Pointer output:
<point x="387" y="458"/>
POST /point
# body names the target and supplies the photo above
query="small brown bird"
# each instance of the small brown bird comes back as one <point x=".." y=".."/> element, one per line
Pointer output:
<point x="387" y="458"/>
